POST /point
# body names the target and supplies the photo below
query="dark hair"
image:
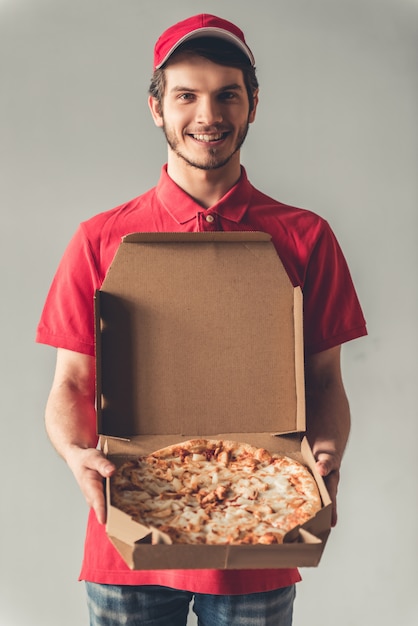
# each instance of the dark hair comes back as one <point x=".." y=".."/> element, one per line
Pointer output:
<point x="216" y="50"/>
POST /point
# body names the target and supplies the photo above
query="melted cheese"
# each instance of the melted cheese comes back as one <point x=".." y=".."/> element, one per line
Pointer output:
<point x="196" y="500"/>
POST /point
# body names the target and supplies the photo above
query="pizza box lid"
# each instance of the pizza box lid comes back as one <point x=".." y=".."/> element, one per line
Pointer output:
<point x="198" y="334"/>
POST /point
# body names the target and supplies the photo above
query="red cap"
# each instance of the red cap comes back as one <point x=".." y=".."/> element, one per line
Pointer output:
<point x="202" y="25"/>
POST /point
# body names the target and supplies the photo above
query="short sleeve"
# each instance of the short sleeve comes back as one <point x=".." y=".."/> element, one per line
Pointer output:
<point x="332" y="312"/>
<point x="67" y="319"/>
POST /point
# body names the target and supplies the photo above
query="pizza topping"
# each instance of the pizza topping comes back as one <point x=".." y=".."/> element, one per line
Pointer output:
<point x="216" y="492"/>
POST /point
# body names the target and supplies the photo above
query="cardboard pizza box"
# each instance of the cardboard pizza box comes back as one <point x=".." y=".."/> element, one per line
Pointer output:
<point x="200" y="335"/>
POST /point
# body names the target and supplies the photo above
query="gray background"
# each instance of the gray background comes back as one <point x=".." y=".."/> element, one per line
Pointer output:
<point x="336" y="132"/>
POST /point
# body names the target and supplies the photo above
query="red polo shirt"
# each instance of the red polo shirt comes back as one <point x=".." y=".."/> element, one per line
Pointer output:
<point x="313" y="260"/>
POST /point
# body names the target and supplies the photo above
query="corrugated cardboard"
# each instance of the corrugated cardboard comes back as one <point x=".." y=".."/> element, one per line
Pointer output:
<point x="200" y="334"/>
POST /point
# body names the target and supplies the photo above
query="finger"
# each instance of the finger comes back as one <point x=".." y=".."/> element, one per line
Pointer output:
<point x="99" y="507"/>
<point x="326" y="463"/>
<point x="331" y="479"/>
<point x="331" y="482"/>
<point x="93" y="489"/>
<point x="334" y="515"/>
<point x="96" y="461"/>
<point x="105" y="467"/>
<point x="324" y="467"/>
<point x="328" y="468"/>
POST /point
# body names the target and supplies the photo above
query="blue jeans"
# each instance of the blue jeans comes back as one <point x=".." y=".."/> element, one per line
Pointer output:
<point x="113" y="605"/>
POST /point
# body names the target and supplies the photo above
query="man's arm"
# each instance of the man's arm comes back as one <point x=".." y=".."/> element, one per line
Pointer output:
<point x="327" y="416"/>
<point x="70" y="420"/>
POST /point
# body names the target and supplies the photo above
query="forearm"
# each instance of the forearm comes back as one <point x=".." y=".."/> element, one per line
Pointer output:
<point x="328" y="420"/>
<point x="70" y="416"/>
<point x="327" y="417"/>
<point x="70" y="420"/>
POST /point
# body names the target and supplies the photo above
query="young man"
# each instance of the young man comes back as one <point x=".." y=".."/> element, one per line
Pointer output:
<point x="204" y="95"/>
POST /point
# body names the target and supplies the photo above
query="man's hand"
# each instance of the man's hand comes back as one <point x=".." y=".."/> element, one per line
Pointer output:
<point x="90" y="467"/>
<point x="329" y="470"/>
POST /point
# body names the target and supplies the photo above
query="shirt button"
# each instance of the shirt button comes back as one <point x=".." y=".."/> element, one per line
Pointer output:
<point x="210" y="219"/>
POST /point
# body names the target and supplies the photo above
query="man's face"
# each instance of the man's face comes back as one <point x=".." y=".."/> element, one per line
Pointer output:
<point x="205" y="112"/>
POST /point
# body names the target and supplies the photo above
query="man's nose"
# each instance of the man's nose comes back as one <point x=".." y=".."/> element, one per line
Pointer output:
<point x="209" y="112"/>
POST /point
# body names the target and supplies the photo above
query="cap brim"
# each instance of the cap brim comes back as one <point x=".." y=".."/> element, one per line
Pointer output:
<point x="210" y="31"/>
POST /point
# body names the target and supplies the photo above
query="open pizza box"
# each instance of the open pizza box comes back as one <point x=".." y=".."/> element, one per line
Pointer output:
<point x="200" y="335"/>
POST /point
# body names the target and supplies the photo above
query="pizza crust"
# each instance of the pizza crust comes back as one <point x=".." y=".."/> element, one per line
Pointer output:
<point x="208" y="491"/>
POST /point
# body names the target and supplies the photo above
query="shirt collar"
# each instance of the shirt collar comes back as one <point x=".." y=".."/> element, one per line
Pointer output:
<point x="182" y="208"/>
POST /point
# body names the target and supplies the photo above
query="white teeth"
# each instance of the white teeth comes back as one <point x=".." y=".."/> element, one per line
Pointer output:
<point x="208" y="137"/>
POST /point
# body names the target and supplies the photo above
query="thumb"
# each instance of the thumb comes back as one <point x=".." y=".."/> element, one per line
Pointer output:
<point x="104" y="467"/>
<point x="328" y="468"/>
<point x="96" y="461"/>
<point x="324" y="464"/>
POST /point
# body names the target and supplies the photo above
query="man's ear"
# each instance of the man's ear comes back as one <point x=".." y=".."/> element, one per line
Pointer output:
<point x="254" y="109"/>
<point x="156" y="112"/>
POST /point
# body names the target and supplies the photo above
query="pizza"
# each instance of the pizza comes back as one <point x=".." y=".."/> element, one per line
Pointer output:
<point x="206" y="491"/>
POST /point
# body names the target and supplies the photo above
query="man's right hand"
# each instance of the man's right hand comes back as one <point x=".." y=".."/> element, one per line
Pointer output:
<point x="90" y="467"/>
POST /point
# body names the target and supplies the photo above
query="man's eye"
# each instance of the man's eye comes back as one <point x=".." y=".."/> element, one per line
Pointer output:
<point x="228" y="95"/>
<point x="186" y="96"/>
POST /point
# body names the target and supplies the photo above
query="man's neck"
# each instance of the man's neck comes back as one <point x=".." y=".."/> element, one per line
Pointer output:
<point x="206" y="187"/>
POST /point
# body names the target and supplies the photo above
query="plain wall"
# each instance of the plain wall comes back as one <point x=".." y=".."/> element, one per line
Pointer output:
<point x="336" y="132"/>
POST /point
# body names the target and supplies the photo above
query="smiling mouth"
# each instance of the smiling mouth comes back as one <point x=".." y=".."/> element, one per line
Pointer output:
<point x="205" y="138"/>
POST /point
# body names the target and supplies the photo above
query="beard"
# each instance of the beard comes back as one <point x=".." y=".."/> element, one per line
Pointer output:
<point x="213" y="160"/>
